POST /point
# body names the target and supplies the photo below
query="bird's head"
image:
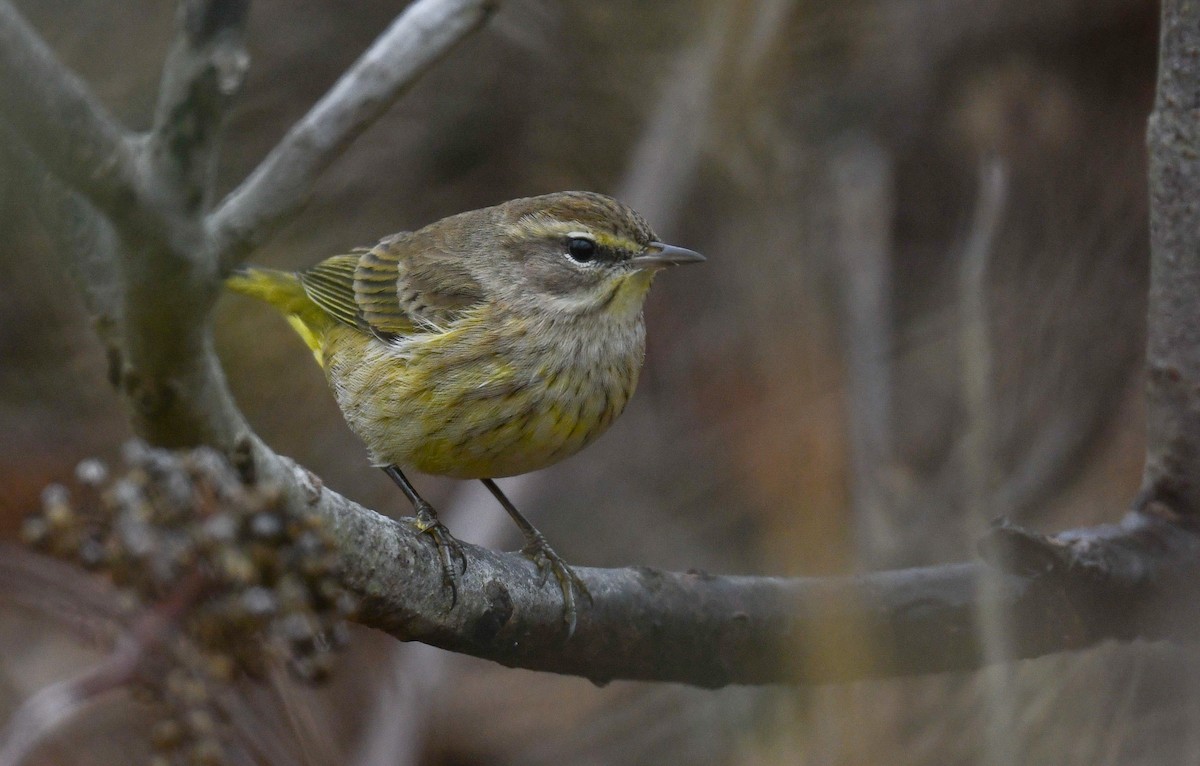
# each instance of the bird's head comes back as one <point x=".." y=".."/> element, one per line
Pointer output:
<point x="571" y="253"/>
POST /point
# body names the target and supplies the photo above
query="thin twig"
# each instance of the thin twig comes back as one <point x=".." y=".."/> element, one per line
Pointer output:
<point x="862" y="176"/>
<point x="43" y="712"/>
<point x="975" y="341"/>
<point x="279" y="187"/>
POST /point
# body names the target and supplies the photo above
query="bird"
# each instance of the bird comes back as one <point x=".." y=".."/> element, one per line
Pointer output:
<point x="487" y="344"/>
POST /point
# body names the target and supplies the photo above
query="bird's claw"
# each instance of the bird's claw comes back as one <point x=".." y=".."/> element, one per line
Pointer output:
<point x="547" y="561"/>
<point x="448" y="548"/>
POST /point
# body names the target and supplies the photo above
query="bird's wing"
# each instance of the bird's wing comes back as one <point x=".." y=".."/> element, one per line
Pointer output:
<point x="408" y="279"/>
<point x="398" y="287"/>
<point x="330" y="285"/>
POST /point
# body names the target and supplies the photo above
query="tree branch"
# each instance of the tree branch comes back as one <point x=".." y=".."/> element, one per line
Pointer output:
<point x="205" y="68"/>
<point x="53" y="705"/>
<point x="56" y="114"/>
<point x="1173" y="354"/>
<point x="279" y="187"/>
<point x="1130" y="580"/>
<point x="1093" y="584"/>
<point x="84" y="241"/>
<point x="1126" y="581"/>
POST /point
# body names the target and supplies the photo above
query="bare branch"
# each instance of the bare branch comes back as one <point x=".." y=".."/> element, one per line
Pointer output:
<point x="1065" y="592"/>
<point x="205" y="68"/>
<point x="84" y="241"/>
<point x="61" y="120"/>
<point x="1069" y="591"/>
<point x="1173" y="354"/>
<point x="279" y="187"/>
<point x="975" y="337"/>
<point x="862" y="175"/>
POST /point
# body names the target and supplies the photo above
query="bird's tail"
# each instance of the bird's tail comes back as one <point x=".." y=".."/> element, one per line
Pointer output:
<point x="283" y="290"/>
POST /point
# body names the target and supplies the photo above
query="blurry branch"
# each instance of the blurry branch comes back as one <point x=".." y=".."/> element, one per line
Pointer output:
<point x="425" y="32"/>
<point x="975" y="338"/>
<point x="40" y="714"/>
<point x="83" y="240"/>
<point x="55" y="113"/>
<point x="862" y="178"/>
<point x="204" y="69"/>
<point x="1064" y="592"/>
<point x="997" y="628"/>
<point x="1173" y="356"/>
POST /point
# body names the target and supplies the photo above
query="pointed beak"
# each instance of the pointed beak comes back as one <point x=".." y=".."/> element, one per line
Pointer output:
<point x="659" y="256"/>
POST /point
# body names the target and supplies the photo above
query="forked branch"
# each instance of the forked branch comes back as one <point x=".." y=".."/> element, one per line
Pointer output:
<point x="424" y="33"/>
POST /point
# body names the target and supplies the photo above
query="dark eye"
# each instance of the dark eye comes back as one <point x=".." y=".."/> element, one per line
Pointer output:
<point x="581" y="249"/>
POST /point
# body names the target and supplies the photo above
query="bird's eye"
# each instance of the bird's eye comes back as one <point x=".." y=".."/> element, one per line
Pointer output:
<point x="581" y="249"/>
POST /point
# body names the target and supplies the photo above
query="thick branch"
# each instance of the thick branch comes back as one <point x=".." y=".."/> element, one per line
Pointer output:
<point x="1173" y="355"/>
<point x="167" y="370"/>
<point x="1133" y="580"/>
<point x="1069" y="591"/>
<point x="278" y="188"/>
<point x="61" y="120"/>
<point x="205" y="68"/>
<point x="166" y="277"/>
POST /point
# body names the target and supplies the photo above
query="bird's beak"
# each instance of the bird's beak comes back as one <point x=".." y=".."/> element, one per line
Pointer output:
<point x="659" y="256"/>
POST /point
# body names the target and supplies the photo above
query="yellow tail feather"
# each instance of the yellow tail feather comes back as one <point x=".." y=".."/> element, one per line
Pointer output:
<point x="282" y="289"/>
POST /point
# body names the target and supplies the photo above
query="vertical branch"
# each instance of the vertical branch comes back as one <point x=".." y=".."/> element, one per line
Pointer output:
<point x="862" y="179"/>
<point x="168" y="372"/>
<point x="994" y="620"/>
<point x="1173" y="354"/>
<point x="979" y="476"/>
<point x="205" y="68"/>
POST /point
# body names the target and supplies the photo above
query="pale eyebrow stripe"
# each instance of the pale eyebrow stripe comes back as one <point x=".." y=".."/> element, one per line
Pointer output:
<point x="543" y="225"/>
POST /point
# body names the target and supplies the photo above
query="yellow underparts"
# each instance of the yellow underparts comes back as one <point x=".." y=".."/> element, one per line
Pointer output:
<point x="473" y="402"/>
<point x="495" y="395"/>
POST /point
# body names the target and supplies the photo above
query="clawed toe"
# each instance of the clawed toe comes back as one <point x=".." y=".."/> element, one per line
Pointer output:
<point x="448" y="548"/>
<point x="547" y="562"/>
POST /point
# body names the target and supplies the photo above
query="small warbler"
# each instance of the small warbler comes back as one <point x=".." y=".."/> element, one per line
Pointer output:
<point x="490" y="343"/>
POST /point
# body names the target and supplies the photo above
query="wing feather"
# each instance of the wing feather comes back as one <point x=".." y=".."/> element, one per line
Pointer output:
<point x="403" y="284"/>
<point x="330" y="285"/>
<point x="408" y="278"/>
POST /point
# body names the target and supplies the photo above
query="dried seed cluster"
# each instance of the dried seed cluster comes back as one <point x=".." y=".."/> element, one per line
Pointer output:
<point x="242" y="582"/>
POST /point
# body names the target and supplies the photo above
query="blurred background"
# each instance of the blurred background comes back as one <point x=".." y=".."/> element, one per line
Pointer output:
<point x="923" y="309"/>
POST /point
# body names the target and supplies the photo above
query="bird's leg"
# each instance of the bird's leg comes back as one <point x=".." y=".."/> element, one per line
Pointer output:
<point x="537" y="549"/>
<point x="427" y="522"/>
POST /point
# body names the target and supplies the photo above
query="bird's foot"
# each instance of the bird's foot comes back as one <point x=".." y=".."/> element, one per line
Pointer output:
<point x="547" y="561"/>
<point x="448" y="547"/>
